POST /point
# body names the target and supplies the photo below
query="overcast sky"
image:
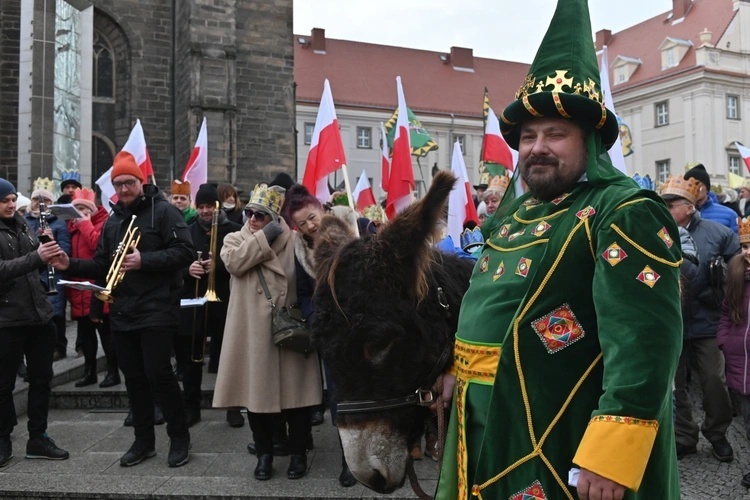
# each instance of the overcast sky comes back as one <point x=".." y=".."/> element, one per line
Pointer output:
<point x="498" y="29"/>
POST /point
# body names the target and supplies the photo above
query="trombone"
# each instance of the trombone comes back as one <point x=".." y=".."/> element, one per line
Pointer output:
<point x="116" y="274"/>
<point x="199" y="337"/>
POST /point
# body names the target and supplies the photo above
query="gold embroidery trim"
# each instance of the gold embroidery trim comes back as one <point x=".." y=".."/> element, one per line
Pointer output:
<point x="505" y="249"/>
<point x="540" y="219"/>
<point x="643" y="250"/>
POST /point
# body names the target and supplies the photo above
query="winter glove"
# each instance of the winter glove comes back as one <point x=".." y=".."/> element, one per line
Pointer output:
<point x="688" y="245"/>
<point x="272" y="230"/>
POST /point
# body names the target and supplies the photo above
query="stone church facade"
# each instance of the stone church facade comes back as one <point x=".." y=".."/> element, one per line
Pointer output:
<point x="76" y="74"/>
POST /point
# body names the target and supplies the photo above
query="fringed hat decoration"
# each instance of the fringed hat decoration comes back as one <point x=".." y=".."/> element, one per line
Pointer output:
<point x="678" y="187"/>
<point x="268" y="199"/>
<point x="644" y="182"/>
<point x="563" y="80"/>
<point x="743" y="226"/>
<point x="471" y="239"/>
<point x="180" y="187"/>
<point x="85" y="197"/>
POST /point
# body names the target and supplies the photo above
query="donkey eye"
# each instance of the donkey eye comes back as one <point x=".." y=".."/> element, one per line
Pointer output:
<point x="376" y="352"/>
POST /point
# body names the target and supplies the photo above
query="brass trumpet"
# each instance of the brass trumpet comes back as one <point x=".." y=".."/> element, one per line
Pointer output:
<point x="116" y="274"/>
<point x="199" y="337"/>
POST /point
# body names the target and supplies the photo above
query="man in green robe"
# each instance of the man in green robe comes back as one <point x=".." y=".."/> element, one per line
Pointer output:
<point x="570" y="332"/>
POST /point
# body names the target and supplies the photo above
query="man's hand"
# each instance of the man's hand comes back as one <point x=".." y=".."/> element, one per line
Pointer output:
<point x="448" y="382"/>
<point x="196" y="270"/>
<point x="132" y="261"/>
<point x="48" y="251"/>
<point x="595" y="487"/>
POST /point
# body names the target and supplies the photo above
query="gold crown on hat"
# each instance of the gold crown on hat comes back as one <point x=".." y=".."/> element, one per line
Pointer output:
<point x="678" y="186"/>
<point x="374" y="213"/>
<point x="269" y="197"/>
<point x="743" y="226"/>
<point x="180" y="187"/>
<point x="499" y="183"/>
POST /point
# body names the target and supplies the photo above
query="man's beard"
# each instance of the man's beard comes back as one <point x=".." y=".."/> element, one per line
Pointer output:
<point x="553" y="182"/>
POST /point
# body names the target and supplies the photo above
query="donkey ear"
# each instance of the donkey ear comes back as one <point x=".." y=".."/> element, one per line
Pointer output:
<point x="334" y="234"/>
<point x="408" y="239"/>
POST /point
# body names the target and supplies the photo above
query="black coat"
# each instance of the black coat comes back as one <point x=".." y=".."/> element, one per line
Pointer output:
<point x="150" y="296"/>
<point x="217" y="310"/>
<point x="23" y="297"/>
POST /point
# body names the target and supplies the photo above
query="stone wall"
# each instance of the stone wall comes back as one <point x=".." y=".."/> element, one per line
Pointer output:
<point x="10" y="16"/>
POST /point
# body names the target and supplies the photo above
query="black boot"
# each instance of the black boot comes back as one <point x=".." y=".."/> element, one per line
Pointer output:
<point x="89" y="378"/>
<point x="264" y="469"/>
<point x="112" y="379"/>
<point x="346" y="478"/>
<point x="297" y="466"/>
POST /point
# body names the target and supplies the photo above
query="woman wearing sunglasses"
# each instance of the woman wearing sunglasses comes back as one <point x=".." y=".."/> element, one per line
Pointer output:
<point x="253" y="372"/>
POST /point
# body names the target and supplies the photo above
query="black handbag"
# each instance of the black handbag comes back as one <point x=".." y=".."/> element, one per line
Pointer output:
<point x="288" y="326"/>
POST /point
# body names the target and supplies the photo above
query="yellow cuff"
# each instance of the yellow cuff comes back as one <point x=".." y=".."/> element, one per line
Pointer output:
<point x="617" y="448"/>
<point x="453" y="369"/>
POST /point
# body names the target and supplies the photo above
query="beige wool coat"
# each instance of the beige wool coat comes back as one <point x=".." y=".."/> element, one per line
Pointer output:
<point x="253" y="372"/>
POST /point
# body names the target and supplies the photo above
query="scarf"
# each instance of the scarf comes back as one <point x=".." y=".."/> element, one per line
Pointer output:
<point x="304" y="253"/>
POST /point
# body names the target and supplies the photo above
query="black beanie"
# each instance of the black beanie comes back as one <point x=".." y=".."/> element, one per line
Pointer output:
<point x="207" y="195"/>
<point x="699" y="173"/>
<point x="282" y="179"/>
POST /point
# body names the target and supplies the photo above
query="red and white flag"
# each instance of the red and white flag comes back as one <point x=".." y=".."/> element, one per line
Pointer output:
<point x="385" y="165"/>
<point x="108" y="190"/>
<point x="745" y="152"/>
<point x="326" y="149"/>
<point x="401" y="178"/>
<point x="363" y="195"/>
<point x="495" y="149"/>
<point x="136" y="146"/>
<point x="196" y="171"/>
<point x="460" y="203"/>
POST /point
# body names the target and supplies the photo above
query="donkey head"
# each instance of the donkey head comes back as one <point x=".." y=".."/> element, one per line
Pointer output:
<point x="385" y="308"/>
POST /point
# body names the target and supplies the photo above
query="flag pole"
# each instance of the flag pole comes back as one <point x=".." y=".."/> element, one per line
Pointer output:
<point x="153" y="180"/>
<point x="349" y="195"/>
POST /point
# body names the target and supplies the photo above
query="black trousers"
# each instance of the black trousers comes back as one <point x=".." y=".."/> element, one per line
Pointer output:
<point x="192" y="372"/>
<point x="87" y="338"/>
<point x="62" y="341"/>
<point x="145" y="360"/>
<point x="263" y="425"/>
<point x="37" y="342"/>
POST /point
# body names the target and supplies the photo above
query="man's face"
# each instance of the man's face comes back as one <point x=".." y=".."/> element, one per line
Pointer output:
<point x="681" y="210"/>
<point x="206" y="211"/>
<point x="128" y="188"/>
<point x="552" y="155"/>
<point x="69" y="189"/>
<point x="702" y="192"/>
<point x="181" y="201"/>
<point x="8" y="206"/>
<point x="744" y="192"/>
<point x="34" y="205"/>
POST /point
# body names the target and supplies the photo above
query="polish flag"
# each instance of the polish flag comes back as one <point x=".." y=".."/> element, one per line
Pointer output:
<point x="136" y="146"/>
<point x="196" y="171"/>
<point x="401" y="178"/>
<point x="495" y="149"/>
<point x="385" y="166"/>
<point x="460" y="203"/>
<point x="108" y="190"/>
<point x="363" y="195"/>
<point x="326" y="149"/>
<point x="745" y="152"/>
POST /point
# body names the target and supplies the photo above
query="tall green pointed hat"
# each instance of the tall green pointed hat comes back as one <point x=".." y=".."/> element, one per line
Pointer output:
<point x="563" y="80"/>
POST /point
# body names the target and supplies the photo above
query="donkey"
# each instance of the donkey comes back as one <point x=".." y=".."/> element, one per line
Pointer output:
<point x="386" y="309"/>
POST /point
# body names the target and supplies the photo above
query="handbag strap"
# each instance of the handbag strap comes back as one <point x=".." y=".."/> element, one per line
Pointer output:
<point x="265" y="286"/>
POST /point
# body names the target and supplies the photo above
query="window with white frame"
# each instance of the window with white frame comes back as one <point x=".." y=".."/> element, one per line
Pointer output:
<point x="662" y="170"/>
<point x="735" y="162"/>
<point x="661" y="110"/>
<point x="733" y="107"/>
<point x="364" y="138"/>
<point x="309" y="129"/>
<point x="620" y="75"/>
<point x="461" y="141"/>
<point x="670" y="58"/>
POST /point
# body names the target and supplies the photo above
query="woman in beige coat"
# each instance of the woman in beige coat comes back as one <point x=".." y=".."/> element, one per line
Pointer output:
<point x="253" y="372"/>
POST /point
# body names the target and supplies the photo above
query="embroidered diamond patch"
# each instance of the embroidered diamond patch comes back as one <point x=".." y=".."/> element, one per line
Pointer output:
<point x="614" y="254"/>
<point x="586" y="212"/>
<point x="664" y="235"/>
<point x="560" y="198"/>
<point x="531" y="202"/>
<point x="648" y="276"/>
<point x="484" y="264"/>
<point x="540" y="228"/>
<point x="522" y="269"/>
<point x="516" y="235"/>
<point x="533" y="492"/>
<point x="504" y="230"/>
<point x="558" y="329"/>
<point x="499" y="271"/>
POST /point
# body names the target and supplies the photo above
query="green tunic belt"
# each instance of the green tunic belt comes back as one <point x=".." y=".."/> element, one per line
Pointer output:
<point x="579" y="299"/>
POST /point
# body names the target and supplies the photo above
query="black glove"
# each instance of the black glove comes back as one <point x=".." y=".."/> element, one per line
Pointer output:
<point x="272" y="230"/>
